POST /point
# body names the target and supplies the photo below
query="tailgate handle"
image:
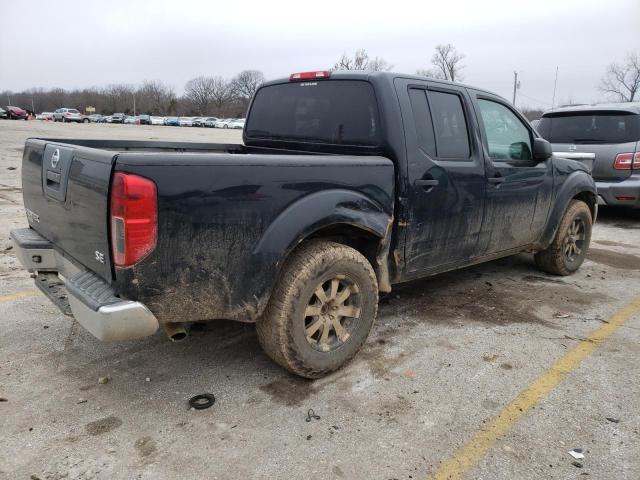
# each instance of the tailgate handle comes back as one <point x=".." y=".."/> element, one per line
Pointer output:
<point x="496" y="179"/>
<point x="53" y="177"/>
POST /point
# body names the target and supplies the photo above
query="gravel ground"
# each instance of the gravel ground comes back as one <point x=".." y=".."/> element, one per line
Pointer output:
<point x="445" y="356"/>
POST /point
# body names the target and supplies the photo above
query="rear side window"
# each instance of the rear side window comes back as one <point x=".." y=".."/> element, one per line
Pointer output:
<point x="336" y="112"/>
<point x="452" y="138"/>
<point x="590" y="127"/>
<point x="422" y="121"/>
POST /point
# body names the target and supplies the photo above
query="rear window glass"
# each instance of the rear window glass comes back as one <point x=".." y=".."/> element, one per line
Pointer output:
<point x="590" y="127"/>
<point x="73" y="110"/>
<point x="338" y="112"/>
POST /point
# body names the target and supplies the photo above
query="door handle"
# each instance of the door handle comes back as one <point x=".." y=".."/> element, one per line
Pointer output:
<point x="496" y="180"/>
<point x="426" y="183"/>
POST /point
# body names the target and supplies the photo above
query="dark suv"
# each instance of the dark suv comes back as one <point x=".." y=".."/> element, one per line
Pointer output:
<point x="607" y="139"/>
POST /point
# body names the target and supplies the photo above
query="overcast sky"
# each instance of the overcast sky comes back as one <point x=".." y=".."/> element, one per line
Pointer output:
<point x="79" y="43"/>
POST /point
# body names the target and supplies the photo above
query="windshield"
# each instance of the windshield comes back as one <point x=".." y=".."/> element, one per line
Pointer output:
<point x="590" y="127"/>
<point x="338" y="112"/>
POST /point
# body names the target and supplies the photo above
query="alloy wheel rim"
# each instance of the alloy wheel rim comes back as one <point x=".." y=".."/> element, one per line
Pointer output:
<point x="332" y="313"/>
<point x="574" y="241"/>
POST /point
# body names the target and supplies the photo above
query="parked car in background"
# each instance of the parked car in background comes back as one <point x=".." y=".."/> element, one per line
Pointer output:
<point x="186" y="121"/>
<point x="3" y="113"/>
<point x="117" y="118"/>
<point x="16" y="113"/>
<point x="238" y="123"/>
<point x="198" y="121"/>
<point x="157" y="120"/>
<point x="44" y="116"/>
<point x="224" y="122"/>
<point x="143" y="120"/>
<point x="69" y="115"/>
<point x="95" y="117"/>
<point x="129" y="120"/>
<point x="172" y="121"/>
<point x="106" y="119"/>
<point x="210" y="122"/>
<point x="606" y="139"/>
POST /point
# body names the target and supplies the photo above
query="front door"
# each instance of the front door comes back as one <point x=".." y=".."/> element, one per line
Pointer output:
<point x="445" y="175"/>
<point x="519" y="189"/>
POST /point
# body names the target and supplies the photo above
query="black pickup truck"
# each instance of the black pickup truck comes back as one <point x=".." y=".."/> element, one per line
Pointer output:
<point x="347" y="183"/>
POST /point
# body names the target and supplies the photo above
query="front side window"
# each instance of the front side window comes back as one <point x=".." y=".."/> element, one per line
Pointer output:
<point x="507" y="137"/>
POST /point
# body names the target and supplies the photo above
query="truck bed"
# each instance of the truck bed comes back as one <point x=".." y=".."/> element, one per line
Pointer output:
<point x="218" y="206"/>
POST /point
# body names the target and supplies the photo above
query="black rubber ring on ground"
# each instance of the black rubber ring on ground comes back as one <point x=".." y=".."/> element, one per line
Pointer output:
<point x="198" y="403"/>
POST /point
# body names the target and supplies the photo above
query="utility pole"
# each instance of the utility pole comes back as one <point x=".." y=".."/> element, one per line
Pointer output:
<point x="134" y="104"/>
<point x="516" y="85"/>
<point x="33" y="108"/>
<point x="555" y="84"/>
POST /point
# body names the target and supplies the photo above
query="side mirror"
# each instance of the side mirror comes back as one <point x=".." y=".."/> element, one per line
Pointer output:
<point x="541" y="149"/>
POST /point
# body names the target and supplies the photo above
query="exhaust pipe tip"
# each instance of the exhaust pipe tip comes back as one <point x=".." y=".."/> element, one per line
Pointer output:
<point x="175" y="331"/>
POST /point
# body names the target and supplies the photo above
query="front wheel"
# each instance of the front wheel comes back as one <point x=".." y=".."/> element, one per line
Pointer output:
<point x="569" y="247"/>
<point x="321" y="310"/>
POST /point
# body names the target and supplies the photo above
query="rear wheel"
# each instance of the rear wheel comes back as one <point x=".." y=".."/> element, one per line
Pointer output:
<point x="569" y="247"/>
<point x="321" y="310"/>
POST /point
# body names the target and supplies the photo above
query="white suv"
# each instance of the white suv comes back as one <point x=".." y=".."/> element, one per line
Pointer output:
<point x="69" y="115"/>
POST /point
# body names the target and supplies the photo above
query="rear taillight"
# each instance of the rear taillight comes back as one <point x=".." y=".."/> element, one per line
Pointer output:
<point x="309" y="75"/>
<point x="627" y="161"/>
<point x="134" y="218"/>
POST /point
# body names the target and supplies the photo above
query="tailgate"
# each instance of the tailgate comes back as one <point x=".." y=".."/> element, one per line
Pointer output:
<point x="66" y="197"/>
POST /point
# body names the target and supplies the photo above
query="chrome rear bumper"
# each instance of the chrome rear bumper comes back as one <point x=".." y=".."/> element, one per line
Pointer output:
<point x="80" y="292"/>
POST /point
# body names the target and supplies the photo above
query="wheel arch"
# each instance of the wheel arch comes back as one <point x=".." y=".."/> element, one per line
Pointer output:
<point x="344" y="216"/>
<point x="578" y="186"/>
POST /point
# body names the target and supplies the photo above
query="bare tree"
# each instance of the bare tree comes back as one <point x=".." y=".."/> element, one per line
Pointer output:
<point x="446" y="63"/>
<point x="531" y="113"/>
<point x="361" y="61"/>
<point x="245" y="84"/>
<point x="199" y="91"/>
<point x="221" y="94"/>
<point x="118" y="98"/>
<point x="622" y="81"/>
<point x="155" y="98"/>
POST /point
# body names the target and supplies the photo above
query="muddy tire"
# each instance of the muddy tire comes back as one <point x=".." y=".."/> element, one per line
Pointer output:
<point x="321" y="310"/>
<point x="571" y="243"/>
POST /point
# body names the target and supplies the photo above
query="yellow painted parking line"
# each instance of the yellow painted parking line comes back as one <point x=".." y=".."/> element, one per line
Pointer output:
<point x="474" y="451"/>
<point x="18" y="295"/>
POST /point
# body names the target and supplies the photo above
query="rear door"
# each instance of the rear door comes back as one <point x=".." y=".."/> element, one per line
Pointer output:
<point x="66" y="195"/>
<point x="445" y="175"/>
<point x="594" y="137"/>
<point x="519" y="189"/>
